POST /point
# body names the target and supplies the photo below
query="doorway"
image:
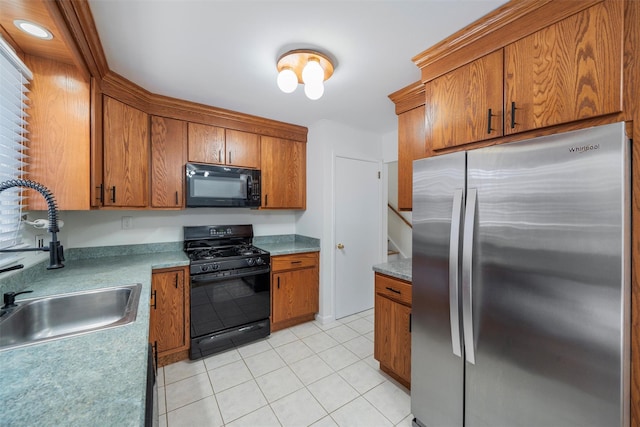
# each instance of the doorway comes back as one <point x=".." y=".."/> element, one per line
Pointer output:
<point x="358" y="233"/>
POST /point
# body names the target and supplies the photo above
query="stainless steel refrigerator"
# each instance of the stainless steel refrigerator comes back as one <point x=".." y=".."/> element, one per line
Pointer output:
<point x="521" y="284"/>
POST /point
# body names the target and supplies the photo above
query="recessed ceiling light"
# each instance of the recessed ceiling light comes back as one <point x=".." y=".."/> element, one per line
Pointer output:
<point x="33" y="29"/>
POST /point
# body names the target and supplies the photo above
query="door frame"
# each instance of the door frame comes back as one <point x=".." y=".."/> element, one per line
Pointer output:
<point x="381" y="232"/>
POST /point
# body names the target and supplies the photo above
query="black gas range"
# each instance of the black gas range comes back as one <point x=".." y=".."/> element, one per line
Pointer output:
<point x="230" y="282"/>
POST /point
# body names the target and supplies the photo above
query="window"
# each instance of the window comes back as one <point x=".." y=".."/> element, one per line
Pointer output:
<point x="14" y="76"/>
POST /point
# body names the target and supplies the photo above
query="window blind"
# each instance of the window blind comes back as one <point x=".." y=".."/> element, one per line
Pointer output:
<point x="14" y="78"/>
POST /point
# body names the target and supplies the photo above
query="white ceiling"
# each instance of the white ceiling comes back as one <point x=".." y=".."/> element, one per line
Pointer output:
<point x="224" y="53"/>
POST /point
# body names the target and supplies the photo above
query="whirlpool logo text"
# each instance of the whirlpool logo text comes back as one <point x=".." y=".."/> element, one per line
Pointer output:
<point x="584" y="148"/>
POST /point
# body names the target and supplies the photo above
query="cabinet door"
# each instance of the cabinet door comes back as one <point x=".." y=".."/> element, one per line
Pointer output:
<point x="411" y="146"/>
<point x="242" y="148"/>
<point x="383" y="331"/>
<point x="392" y="336"/>
<point x="295" y="293"/>
<point x="206" y="144"/>
<point x="402" y="357"/>
<point x="59" y="134"/>
<point x="126" y="155"/>
<point x="168" y="311"/>
<point x="283" y="167"/>
<point x="466" y="103"/>
<point x="168" y="148"/>
<point x="568" y="71"/>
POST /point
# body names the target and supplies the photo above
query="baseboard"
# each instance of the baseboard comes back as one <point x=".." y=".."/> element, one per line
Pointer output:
<point x="324" y="320"/>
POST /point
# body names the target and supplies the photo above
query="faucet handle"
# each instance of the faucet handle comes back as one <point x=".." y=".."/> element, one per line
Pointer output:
<point x="10" y="298"/>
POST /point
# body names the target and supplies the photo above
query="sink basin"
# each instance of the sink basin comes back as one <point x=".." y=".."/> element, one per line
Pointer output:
<point x="48" y="318"/>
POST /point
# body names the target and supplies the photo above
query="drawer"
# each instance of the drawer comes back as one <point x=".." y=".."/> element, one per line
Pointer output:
<point x="294" y="261"/>
<point x="395" y="289"/>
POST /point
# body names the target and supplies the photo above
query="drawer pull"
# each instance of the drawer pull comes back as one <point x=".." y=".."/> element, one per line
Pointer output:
<point x="155" y="297"/>
<point x="393" y="290"/>
<point x="296" y="262"/>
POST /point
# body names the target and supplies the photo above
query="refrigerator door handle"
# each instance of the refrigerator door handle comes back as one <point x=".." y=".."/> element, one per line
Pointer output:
<point x="454" y="286"/>
<point x="467" y="273"/>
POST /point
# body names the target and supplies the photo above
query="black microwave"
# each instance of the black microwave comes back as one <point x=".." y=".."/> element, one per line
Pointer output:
<point x="221" y="186"/>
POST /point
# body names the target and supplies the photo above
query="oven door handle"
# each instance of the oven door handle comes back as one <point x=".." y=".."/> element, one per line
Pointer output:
<point x="217" y="277"/>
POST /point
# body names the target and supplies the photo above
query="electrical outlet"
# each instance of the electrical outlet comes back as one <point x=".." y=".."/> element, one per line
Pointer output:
<point x="127" y="222"/>
<point x="40" y="241"/>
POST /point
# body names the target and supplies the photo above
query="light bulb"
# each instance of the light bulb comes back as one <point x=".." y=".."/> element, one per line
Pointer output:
<point x="287" y="80"/>
<point x="312" y="72"/>
<point x="314" y="90"/>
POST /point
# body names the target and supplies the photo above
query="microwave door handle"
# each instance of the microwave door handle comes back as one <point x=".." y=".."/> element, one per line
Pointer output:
<point x="249" y="186"/>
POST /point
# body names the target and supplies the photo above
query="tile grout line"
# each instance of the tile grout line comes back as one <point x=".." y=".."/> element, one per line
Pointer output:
<point x="300" y="337"/>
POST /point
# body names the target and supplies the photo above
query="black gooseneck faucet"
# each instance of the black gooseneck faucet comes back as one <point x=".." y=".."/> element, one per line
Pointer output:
<point x="56" y="252"/>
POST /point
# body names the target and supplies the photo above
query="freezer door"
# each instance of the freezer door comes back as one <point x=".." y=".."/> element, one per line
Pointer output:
<point x="550" y="282"/>
<point x="437" y="373"/>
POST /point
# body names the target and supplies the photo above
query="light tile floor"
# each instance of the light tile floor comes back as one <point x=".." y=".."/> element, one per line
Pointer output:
<point x="307" y="375"/>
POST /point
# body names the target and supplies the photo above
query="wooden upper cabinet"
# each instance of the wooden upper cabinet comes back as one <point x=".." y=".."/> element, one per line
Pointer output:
<point x="212" y="144"/>
<point x="168" y="156"/>
<point x="568" y="71"/>
<point x="411" y="146"/>
<point x="283" y="166"/>
<point x="126" y="155"/>
<point x="206" y="144"/>
<point x="242" y="148"/>
<point x="59" y="134"/>
<point x="465" y="105"/>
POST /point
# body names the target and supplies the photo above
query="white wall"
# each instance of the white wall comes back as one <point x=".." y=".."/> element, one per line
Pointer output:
<point x="326" y="140"/>
<point x="399" y="232"/>
<point x="104" y="228"/>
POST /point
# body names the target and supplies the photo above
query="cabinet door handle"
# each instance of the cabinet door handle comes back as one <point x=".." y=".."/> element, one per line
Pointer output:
<point x="155" y="297"/>
<point x="229" y="160"/>
<point x="266" y="200"/>
<point x="113" y="194"/>
<point x="489" y="115"/>
<point x="278" y="282"/>
<point x="410" y="319"/>
<point x="513" y="115"/>
<point x="100" y="193"/>
<point x="220" y="156"/>
<point x="176" y="281"/>
<point x="177" y="198"/>
<point x="389" y="288"/>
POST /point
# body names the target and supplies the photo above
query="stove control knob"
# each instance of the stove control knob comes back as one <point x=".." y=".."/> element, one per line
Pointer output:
<point x="250" y="261"/>
<point x="215" y="266"/>
<point x="204" y="267"/>
<point x="259" y="261"/>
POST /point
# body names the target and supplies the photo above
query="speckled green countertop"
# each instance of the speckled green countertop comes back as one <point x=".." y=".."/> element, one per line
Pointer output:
<point x="93" y="379"/>
<point x="400" y="269"/>
<point x="287" y="244"/>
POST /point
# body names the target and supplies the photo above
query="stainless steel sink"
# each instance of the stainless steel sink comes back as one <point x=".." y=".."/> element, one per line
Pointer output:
<point x="42" y="319"/>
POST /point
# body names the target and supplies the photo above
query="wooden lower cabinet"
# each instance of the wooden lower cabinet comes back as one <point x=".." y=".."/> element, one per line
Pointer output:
<point x="169" y="315"/>
<point x="295" y="282"/>
<point x="392" y="330"/>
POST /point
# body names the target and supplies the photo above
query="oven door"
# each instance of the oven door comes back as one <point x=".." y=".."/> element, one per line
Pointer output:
<point x="221" y="186"/>
<point x="228" y="311"/>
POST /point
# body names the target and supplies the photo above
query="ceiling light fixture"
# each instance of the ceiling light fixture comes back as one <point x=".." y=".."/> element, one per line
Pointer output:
<point x="33" y="29"/>
<point x="303" y="66"/>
